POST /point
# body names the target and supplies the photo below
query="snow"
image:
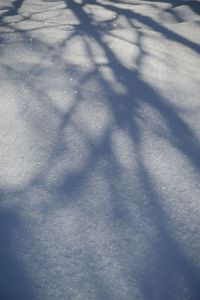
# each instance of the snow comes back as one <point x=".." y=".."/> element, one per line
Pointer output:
<point x="100" y="150"/>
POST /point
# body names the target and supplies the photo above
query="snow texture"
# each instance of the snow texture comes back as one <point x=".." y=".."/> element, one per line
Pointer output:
<point x="100" y="150"/>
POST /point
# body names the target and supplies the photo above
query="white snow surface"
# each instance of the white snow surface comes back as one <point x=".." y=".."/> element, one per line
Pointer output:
<point x="99" y="150"/>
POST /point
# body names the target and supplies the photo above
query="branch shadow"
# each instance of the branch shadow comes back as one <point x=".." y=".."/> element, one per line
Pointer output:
<point x="14" y="283"/>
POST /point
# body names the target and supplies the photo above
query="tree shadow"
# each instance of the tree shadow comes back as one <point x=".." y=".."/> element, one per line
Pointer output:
<point x="13" y="9"/>
<point x="168" y="254"/>
<point x="14" y="283"/>
<point x="194" y="5"/>
<point x="157" y="277"/>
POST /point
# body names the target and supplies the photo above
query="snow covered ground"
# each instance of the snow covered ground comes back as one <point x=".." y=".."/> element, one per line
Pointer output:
<point x="99" y="150"/>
